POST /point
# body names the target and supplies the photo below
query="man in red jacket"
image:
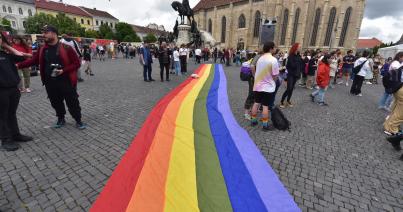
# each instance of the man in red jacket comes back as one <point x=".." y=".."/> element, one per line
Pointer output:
<point x="58" y="67"/>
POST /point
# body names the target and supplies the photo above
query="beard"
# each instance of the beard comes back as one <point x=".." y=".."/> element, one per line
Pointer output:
<point x="49" y="40"/>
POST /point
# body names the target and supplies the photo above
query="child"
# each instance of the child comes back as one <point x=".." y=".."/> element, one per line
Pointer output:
<point x="322" y="80"/>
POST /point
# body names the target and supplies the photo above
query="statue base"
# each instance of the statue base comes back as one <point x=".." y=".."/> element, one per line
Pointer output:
<point x="183" y="35"/>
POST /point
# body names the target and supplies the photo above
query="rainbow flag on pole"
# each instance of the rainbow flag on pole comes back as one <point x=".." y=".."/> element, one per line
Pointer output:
<point x="191" y="155"/>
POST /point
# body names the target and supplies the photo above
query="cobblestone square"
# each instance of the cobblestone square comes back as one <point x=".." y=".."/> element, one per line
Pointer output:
<point x="334" y="158"/>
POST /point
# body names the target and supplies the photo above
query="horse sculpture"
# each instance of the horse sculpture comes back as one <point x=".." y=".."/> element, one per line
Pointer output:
<point x="184" y="10"/>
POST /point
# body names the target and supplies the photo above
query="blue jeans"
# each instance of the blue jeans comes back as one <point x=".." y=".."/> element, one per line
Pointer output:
<point x="147" y="72"/>
<point x="177" y="67"/>
<point x="386" y="100"/>
<point x="320" y="94"/>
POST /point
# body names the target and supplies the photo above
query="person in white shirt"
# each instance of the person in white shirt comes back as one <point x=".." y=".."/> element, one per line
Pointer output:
<point x="198" y="54"/>
<point x="177" y="61"/>
<point x="67" y="39"/>
<point x="395" y="119"/>
<point x="183" y="57"/>
<point x="360" y="76"/>
<point x="264" y="87"/>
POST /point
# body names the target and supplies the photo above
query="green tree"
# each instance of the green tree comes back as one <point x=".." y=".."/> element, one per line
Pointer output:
<point x="150" y="38"/>
<point x="63" y="23"/>
<point x="91" y="34"/>
<point x="67" y="25"/>
<point x="35" y="23"/>
<point x="105" y="31"/>
<point x="125" y="32"/>
<point x="6" y="24"/>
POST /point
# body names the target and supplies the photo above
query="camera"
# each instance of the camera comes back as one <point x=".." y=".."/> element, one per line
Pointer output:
<point x="54" y="68"/>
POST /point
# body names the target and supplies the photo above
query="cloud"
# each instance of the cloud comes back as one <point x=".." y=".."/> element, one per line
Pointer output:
<point x="385" y="28"/>
<point x="380" y="8"/>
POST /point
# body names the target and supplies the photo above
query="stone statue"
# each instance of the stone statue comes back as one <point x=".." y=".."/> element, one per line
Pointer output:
<point x="176" y="31"/>
<point x="193" y="28"/>
<point x="184" y="10"/>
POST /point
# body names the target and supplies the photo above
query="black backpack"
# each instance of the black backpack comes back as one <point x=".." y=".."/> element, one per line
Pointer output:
<point x="392" y="80"/>
<point x="279" y="120"/>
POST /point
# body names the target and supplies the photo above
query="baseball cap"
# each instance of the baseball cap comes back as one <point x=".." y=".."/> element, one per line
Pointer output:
<point x="49" y="28"/>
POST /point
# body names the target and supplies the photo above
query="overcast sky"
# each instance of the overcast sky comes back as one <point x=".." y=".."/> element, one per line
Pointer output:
<point x="383" y="19"/>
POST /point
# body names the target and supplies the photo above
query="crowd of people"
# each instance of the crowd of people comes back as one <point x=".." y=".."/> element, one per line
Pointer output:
<point x="322" y="70"/>
<point x="60" y="62"/>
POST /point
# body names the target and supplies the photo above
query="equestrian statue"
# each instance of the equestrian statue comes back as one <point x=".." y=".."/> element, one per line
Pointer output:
<point x="184" y="10"/>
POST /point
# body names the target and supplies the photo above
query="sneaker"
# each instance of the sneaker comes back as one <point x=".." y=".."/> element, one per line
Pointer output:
<point x="339" y="83"/>
<point x="22" y="90"/>
<point x="22" y="138"/>
<point x="395" y="141"/>
<point x="290" y="104"/>
<point x="9" y="145"/>
<point x="346" y="84"/>
<point x="322" y="104"/>
<point x="359" y="95"/>
<point x="247" y="117"/>
<point x="368" y="83"/>
<point x="152" y="80"/>
<point x="168" y="80"/>
<point x="80" y="125"/>
<point x="91" y="74"/>
<point x="282" y="105"/>
<point x="60" y="123"/>
<point x="312" y="97"/>
<point x="28" y="90"/>
<point x="268" y="128"/>
<point x="253" y="123"/>
<point x="80" y="80"/>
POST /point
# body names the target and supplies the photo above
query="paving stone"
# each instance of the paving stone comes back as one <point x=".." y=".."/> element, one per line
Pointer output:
<point x="334" y="158"/>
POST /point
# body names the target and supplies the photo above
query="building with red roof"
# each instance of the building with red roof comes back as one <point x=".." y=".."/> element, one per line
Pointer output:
<point x="101" y="17"/>
<point x="76" y="13"/>
<point x="368" y="43"/>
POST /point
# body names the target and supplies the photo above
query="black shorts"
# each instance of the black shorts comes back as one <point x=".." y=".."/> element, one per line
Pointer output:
<point x="263" y="98"/>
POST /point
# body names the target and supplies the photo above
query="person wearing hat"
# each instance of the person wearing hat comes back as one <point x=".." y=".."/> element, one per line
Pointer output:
<point x="9" y="96"/>
<point x="58" y="67"/>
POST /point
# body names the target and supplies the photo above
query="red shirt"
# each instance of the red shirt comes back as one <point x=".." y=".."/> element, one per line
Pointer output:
<point x="22" y="48"/>
<point x="323" y="77"/>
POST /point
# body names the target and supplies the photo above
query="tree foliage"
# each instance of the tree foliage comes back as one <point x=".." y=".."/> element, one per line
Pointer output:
<point x="125" y="32"/>
<point x="105" y="31"/>
<point x="63" y="23"/>
<point x="150" y="38"/>
<point x="6" y="24"/>
<point x="91" y="34"/>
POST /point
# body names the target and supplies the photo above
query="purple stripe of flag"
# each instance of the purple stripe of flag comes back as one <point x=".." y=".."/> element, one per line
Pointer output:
<point x="273" y="193"/>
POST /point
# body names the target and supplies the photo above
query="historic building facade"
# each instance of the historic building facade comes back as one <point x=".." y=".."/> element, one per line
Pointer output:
<point x="315" y="24"/>
<point x="17" y="12"/>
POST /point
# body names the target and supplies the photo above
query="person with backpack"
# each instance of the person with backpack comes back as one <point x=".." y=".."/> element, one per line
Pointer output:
<point x="395" y="86"/>
<point x="247" y="71"/>
<point x="294" y="66"/>
<point x="386" y="99"/>
<point x="267" y="70"/>
<point x="312" y="67"/>
<point x="67" y="39"/>
<point x="361" y="68"/>
<point x="322" y="80"/>
<point x="58" y="67"/>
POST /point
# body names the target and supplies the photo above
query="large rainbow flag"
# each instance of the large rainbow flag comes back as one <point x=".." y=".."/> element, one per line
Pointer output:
<point x="191" y="155"/>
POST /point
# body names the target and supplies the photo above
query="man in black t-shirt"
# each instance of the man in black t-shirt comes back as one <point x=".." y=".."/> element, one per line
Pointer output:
<point x="9" y="98"/>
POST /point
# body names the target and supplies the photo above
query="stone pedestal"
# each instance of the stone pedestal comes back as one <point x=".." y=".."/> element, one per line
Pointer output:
<point x="183" y="35"/>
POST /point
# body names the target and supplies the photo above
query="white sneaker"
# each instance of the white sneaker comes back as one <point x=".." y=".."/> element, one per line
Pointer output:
<point x="247" y="117"/>
<point x="339" y="83"/>
<point x="28" y="90"/>
<point x="360" y="95"/>
<point x="368" y="83"/>
<point x="347" y="84"/>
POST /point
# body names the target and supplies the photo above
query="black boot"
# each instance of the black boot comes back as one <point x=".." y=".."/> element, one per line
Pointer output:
<point x="22" y="138"/>
<point x="9" y="145"/>
<point x="395" y="141"/>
